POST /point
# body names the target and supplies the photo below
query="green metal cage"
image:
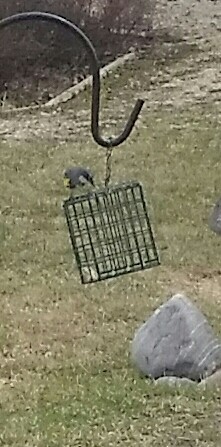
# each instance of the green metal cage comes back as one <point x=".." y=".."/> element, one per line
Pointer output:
<point x="110" y="232"/>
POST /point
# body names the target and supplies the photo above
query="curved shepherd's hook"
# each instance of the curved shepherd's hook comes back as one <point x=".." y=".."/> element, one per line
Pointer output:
<point x="95" y="105"/>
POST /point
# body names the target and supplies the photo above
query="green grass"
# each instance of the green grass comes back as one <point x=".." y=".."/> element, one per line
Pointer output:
<point x="66" y="377"/>
<point x="112" y="410"/>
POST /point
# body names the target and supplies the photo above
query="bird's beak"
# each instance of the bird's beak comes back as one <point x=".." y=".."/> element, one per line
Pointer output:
<point x="66" y="182"/>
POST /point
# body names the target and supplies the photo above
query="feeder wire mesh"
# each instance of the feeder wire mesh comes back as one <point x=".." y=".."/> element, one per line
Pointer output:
<point x="110" y="232"/>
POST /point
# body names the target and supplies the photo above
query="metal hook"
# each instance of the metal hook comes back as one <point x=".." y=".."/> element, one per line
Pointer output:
<point x="95" y="104"/>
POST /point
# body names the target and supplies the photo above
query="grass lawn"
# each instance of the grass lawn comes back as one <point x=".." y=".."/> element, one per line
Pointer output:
<point x="66" y="377"/>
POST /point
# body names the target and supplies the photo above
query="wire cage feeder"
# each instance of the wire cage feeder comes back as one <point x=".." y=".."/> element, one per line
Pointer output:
<point x="110" y="232"/>
<point x="110" y="229"/>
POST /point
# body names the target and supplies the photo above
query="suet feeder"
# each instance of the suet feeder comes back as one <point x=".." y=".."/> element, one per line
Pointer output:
<point x="110" y="232"/>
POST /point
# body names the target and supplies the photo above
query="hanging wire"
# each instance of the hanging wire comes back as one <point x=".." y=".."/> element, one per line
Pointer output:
<point x="108" y="172"/>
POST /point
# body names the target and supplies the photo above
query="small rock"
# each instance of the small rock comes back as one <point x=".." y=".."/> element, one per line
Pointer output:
<point x="174" y="381"/>
<point x="215" y="218"/>
<point x="212" y="381"/>
<point x="176" y="341"/>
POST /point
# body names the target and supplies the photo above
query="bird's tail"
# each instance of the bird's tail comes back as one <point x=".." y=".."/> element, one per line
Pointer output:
<point x="89" y="178"/>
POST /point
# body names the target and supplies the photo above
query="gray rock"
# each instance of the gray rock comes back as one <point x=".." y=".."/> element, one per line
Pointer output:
<point x="176" y="341"/>
<point x="215" y="218"/>
<point x="174" y="381"/>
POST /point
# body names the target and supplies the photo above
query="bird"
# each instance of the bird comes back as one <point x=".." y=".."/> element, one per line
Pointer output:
<point x="215" y="218"/>
<point x="77" y="176"/>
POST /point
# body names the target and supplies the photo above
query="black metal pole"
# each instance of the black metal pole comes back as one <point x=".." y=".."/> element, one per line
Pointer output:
<point x="94" y="63"/>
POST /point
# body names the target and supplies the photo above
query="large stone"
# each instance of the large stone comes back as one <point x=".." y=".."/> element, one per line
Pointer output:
<point x="176" y="341"/>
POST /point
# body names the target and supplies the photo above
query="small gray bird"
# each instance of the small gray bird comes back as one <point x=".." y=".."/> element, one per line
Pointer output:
<point x="77" y="176"/>
<point x="215" y="218"/>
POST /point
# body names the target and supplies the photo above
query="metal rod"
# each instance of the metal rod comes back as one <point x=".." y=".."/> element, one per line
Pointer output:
<point x="94" y="64"/>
